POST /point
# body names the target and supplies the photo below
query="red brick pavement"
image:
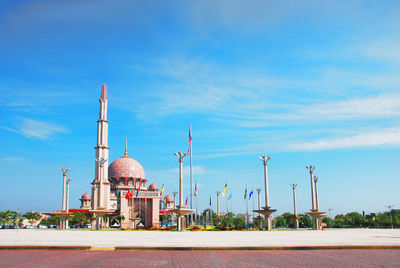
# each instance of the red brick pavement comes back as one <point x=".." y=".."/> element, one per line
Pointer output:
<point x="213" y="258"/>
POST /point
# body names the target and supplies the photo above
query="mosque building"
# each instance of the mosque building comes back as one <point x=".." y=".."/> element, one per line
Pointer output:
<point x="119" y="188"/>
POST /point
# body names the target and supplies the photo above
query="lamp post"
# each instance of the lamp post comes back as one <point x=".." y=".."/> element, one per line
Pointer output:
<point x="63" y="220"/>
<point x="64" y="172"/>
<point x="390" y="214"/>
<point x="329" y="210"/>
<point x="181" y="211"/>
<point x="317" y="221"/>
<point x="267" y="209"/>
<point x="259" y="208"/>
<point x="265" y="161"/>
<point x="311" y="170"/>
<point x="174" y="192"/>
<point x="314" y="212"/>
<point x="294" y="204"/>
<point x="67" y="203"/>
<point x="218" y="192"/>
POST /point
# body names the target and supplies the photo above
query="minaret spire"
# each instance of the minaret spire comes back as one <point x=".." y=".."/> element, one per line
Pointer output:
<point x="104" y="92"/>
<point x="101" y="187"/>
<point x="126" y="148"/>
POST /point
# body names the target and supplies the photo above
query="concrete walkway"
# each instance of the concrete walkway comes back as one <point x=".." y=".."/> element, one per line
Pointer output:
<point x="216" y="239"/>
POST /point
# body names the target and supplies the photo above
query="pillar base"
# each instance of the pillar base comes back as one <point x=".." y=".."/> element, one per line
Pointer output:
<point x="317" y="215"/>
<point x="266" y="211"/>
<point x="181" y="212"/>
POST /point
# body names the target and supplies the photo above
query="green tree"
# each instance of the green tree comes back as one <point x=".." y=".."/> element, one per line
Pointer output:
<point x="354" y="220"/>
<point x="5" y="217"/>
<point x="305" y="221"/>
<point x="80" y="218"/>
<point x="120" y="218"/>
<point x="52" y="220"/>
<point x="238" y="221"/>
<point x="328" y="221"/>
<point x="339" y="221"/>
<point x="279" y="222"/>
<point x="32" y="217"/>
<point x="290" y="219"/>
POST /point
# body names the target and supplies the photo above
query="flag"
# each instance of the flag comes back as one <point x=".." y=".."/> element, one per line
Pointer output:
<point x="137" y="191"/>
<point x="128" y="194"/>
<point x="145" y="200"/>
<point x="186" y="200"/>
<point x="223" y="191"/>
<point x="195" y="190"/>
<point x="165" y="200"/>
<point x="230" y="197"/>
<point x="162" y="190"/>
<point x="190" y="139"/>
<point x="245" y="193"/>
<point x="251" y="193"/>
<point x="210" y="201"/>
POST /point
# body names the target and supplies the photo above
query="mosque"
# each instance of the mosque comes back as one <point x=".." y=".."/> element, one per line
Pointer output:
<point x="119" y="188"/>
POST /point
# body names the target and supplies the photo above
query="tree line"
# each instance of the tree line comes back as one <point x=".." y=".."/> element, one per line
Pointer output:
<point x="286" y="220"/>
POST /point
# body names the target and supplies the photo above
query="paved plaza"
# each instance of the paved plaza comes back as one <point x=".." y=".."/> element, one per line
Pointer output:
<point x="212" y="258"/>
<point x="212" y="239"/>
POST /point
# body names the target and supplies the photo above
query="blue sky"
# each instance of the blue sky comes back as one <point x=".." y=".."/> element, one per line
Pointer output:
<point x="305" y="82"/>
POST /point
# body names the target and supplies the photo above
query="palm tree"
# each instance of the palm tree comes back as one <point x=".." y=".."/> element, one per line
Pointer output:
<point x="120" y="218"/>
<point x="32" y="217"/>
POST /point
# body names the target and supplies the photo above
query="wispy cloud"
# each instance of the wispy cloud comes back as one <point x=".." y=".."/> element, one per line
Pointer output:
<point x="31" y="128"/>
<point x="383" y="137"/>
<point x="12" y="159"/>
<point x="374" y="107"/>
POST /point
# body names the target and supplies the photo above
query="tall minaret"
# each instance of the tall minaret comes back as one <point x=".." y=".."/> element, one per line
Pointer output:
<point x="101" y="185"/>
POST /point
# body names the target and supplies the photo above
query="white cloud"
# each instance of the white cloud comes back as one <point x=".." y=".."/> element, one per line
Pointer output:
<point x="372" y="139"/>
<point x="12" y="159"/>
<point x="9" y="129"/>
<point x="36" y="129"/>
<point x="383" y="50"/>
<point x="375" y="107"/>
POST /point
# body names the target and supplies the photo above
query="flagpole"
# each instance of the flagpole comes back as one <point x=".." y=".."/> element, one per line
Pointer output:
<point x="191" y="174"/>
<point x="196" y="205"/>
<point x="247" y="209"/>
<point x="253" y="204"/>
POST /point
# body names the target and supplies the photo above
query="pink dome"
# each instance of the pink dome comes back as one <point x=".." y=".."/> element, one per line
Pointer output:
<point x="125" y="167"/>
<point x="169" y="198"/>
<point x="153" y="187"/>
<point x="86" y="196"/>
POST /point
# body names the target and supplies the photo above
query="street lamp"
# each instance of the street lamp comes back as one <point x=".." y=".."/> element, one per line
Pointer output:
<point x="259" y="208"/>
<point x="181" y="211"/>
<point x="294" y="204"/>
<point x="64" y="172"/>
<point x="390" y="214"/>
<point x="266" y="211"/>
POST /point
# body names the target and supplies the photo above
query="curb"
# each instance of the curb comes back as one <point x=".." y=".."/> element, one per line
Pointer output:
<point x="90" y="248"/>
<point x="262" y="248"/>
<point x="31" y="247"/>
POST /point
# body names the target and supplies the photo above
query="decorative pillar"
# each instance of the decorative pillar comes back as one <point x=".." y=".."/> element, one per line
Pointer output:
<point x="311" y="170"/>
<point x="294" y="205"/>
<point x="317" y="221"/>
<point x="67" y="203"/>
<point x="181" y="210"/>
<point x="64" y="172"/>
<point x="259" y="208"/>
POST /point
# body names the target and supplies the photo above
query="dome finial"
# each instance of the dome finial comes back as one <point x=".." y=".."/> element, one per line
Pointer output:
<point x="126" y="147"/>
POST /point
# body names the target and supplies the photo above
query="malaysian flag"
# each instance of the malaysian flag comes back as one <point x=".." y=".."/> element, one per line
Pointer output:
<point x="190" y="139"/>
